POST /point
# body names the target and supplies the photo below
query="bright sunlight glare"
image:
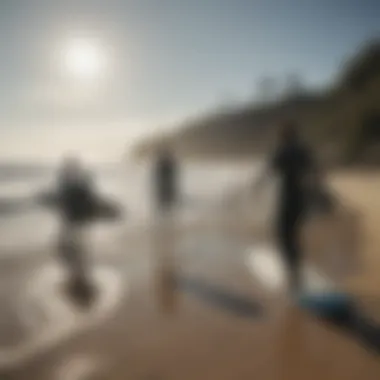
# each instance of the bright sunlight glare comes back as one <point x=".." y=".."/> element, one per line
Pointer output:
<point x="84" y="59"/>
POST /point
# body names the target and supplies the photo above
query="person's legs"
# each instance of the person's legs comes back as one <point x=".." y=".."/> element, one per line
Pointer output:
<point x="65" y="242"/>
<point x="81" y="287"/>
<point x="293" y="257"/>
<point x="290" y="249"/>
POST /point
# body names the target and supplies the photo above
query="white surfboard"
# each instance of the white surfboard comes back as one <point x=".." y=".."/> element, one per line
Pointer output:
<point x="264" y="262"/>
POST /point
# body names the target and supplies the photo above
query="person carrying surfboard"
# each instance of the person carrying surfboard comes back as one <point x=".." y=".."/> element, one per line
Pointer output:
<point x="299" y="190"/>
<point x="75" y="192"/>
<point x="76" y="207"/>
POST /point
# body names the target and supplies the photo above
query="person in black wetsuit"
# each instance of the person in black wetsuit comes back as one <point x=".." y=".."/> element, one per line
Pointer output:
<point x="165" y="181"/>
<point x="294" y="163"/>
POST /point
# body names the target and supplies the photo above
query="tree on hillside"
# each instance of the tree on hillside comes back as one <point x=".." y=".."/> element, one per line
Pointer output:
<point x="294" y="85"/>
<point x="363" y="68"/>
<point x="267" y="89"/>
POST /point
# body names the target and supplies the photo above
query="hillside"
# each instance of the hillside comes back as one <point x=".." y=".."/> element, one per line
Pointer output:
<point x="344" y="121"/>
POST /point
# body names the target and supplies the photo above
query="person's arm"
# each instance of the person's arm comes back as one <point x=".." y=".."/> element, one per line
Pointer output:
<point x="317" y="183"/>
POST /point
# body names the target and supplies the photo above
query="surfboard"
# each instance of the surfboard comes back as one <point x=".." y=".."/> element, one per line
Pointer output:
<point x="102" y="208"/>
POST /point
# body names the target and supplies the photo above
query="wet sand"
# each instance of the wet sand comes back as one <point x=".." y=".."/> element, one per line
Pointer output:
<point x="189" y="308"/>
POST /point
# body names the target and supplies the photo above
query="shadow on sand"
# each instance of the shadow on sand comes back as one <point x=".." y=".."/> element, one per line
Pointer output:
<point x="351" y="322"/>
<point x="219" y="297"/>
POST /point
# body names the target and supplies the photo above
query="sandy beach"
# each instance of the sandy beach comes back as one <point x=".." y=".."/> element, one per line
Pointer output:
<point x="359" y="189"/>
<point x="179" y="301"/>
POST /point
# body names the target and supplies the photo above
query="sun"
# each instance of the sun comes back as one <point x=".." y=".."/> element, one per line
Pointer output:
<point x="83" y="59"/>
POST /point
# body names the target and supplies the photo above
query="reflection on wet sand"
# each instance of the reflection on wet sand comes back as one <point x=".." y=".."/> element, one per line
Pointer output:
<point x="219" y="297"/>
<point x="164" y="244"/>
<point x="171" y="284"/>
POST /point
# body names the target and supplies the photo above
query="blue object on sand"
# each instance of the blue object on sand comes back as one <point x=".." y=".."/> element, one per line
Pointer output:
<point x="328" y="305"/>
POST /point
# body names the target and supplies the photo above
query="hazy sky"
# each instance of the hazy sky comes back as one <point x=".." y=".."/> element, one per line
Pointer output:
<point x="163" y="60"/>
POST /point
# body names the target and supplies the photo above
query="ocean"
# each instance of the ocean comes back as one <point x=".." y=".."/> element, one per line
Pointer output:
<point x="25" y="226"/>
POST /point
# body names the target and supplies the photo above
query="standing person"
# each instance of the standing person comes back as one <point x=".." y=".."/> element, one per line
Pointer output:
<point x="166" y="197"/>
<point x="294" y="163"/>
<point x="165" y="181"/>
